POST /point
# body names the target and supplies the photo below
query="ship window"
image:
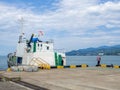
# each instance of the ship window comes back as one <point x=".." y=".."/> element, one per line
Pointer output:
<point x="41" y="45"/>
<point x="47" y="48"/>
<point x="19" y="60"/>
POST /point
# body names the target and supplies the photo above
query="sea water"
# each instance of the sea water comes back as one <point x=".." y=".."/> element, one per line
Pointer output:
<point x="3" y="63"/>
<point x="91" y="60"/>
<point x="75" y="60"/>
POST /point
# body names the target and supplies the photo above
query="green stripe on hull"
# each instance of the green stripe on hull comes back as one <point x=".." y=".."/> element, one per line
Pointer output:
<point x="34" y="47"/>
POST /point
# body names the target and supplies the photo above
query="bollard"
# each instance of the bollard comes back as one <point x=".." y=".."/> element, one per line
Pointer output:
<point x="72" y="66"/>
<point x="84" y="65"/>
<point x="60" y="67"/>
<point x="103" y="65"/>
<point x="116" y="66"/>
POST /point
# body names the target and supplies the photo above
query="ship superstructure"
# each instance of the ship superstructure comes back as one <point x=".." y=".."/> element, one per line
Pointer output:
<point x="36" y="52"/>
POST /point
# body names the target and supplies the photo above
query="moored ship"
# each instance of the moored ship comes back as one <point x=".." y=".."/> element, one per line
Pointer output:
<point x="36" y="52"/>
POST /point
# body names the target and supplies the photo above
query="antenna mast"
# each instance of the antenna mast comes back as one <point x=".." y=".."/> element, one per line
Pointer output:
<point x="21" y="29"/>
<point x="21" y="23"/>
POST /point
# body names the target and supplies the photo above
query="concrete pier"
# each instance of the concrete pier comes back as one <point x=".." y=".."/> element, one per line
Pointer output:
<point x="91" y="78"/>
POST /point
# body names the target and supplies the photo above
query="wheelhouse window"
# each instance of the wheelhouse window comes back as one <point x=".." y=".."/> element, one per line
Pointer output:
<point x="47" y="48"/>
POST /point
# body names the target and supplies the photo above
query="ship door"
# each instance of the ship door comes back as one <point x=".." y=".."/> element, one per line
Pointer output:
<point x="60" y="61"/>
<point x="19" y="60"/>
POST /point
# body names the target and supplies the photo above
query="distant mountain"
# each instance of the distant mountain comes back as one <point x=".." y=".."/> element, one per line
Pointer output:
<point x="106" y="50"/>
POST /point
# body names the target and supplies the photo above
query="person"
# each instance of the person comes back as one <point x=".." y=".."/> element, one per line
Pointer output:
<point x="98" y="60"/>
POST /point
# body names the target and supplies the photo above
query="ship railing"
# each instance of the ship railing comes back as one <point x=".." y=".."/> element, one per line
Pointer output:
<point x="40" y="62"/>
<point x="60" y="50"/>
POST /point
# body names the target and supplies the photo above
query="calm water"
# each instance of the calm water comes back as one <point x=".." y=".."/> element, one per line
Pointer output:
<point x="91" y="60"/>
<point x="3" y="63"/>
<point x="76" y="60"/>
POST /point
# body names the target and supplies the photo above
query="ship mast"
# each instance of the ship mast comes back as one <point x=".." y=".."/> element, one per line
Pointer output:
<point x="21" y="22"/>
<point x="21" y="29"/>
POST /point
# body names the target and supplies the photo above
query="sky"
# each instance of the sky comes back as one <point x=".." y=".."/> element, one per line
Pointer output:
<point x="72" y="24"/>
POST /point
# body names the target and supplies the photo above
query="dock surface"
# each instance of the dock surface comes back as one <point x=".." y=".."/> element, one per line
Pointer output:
<point x="93" y="78"/>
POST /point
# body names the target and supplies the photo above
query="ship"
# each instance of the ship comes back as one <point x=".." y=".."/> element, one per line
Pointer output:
<point x="36" y="52"/>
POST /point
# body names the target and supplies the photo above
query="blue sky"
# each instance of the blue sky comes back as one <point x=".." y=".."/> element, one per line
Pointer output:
<point x="72" y="24"/>
<point x="37" y="6"/>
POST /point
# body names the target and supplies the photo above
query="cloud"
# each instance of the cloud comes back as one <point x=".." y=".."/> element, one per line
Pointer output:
<point x="74" y="24"/>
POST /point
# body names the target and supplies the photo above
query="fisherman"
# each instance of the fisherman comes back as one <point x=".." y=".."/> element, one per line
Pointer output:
<point x="98" y="60"/>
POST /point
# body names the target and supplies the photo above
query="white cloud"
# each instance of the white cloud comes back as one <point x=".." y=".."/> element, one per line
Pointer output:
<point x="77" y="21"/>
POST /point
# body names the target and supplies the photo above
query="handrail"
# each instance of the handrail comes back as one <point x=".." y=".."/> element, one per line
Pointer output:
<point x="41" y="63"/>
<point x="42" y="60"/>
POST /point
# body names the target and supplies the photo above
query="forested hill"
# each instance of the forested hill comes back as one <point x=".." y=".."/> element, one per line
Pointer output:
<point x="107" y="50"/>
